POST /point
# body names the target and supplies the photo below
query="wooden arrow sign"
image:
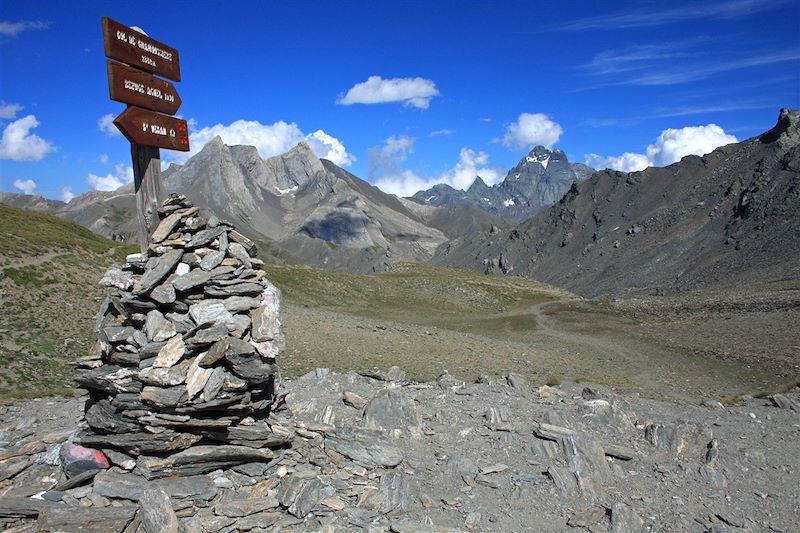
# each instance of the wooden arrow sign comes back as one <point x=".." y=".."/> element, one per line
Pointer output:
<point x="134" y="87"/>
<point x="138" y="50"/>
<point x="147" y="128"/>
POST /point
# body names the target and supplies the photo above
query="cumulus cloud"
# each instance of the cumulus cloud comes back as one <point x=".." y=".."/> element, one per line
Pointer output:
<point x="437" y="133"/>
<point x="386" y="170"/>
<point x="12" y="29"/>
<point x="26" y="186"/>
<point x="670" y="146"/>
<point x="103" y="158"/>
<point x="110" y="182"/>
<point x="531" y="129"/>
<point x="270" y="140"/>
<point x="627" y="162"/>
<point x="106" y="125"/>
<point x="412" y="92"/>
<point x="8" y="111"/>
<point x="386" y="159"/>
<point x="19" y="144"/>
<point x="66" y="194"/>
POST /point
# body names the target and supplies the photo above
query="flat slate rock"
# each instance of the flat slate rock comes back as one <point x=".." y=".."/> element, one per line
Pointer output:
<point x="365" y="448"/>
<point x="211" y="260"/>
<point x="165" y="227"/>
<point x="61" y="518"/>
<point x="155" y="275"/>
<point x="210" y="311"/>
<point x="390" y="409"/>
<point x="251" y="367"/>
<point x="115" y="483"/>
<point x="200" y="459"/>
<point x="141" y="442"/>
<point x="199" y="277"/>
<point x="102" y="415"/>
<point x="300" y="496"/>
<point x="156" y="514"/>
<point x="163" y="396"/>
<point x="109" y="378"/>
<point x="205" y="237"/>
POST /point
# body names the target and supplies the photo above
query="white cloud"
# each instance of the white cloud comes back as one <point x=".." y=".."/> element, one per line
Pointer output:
<point x="103" y="158"/>
<point x="444" y="131"/>
<point x="627" y="162"/>
<point x="471" y="164"/>
<point x="110" y="182"/>
<point x="8" y="111"/>
<point x="269" y="139"/>
<point x="388" y="175"/>
<point x="670" y="146"/>
<point x="18" y="144"/>
<point x="11" y="29"/>
<point x="531" y="129"/>
<point x="330" y="148"/>
<point x="26" y="186"/>
<point x="412" y="92"/>
<point x="66" y="194"/>
<point x="106" y="125"/>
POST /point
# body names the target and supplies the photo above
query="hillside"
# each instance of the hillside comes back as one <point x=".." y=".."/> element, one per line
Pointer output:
<point x="300" y="209"/>
<point x="423" y="319"/>
<point x="49" y="269"/>
<point x="727" y="218"/>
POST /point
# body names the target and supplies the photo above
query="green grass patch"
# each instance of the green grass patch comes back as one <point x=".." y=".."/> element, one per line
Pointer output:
<point x="24" y="233"/>
<point x="28" y="277"/>
<point x="554" y="380"/>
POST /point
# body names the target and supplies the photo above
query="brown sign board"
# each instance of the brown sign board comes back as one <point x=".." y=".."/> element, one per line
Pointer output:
<point x="138" y="50"/>
<point x="148" y="128"/>
<point x="134" y="87"/>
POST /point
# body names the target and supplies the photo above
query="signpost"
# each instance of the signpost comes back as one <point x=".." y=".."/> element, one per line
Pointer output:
<point x="140" y="51"/>
<point x="131" y="86"/>
<point x="143" y="123"/>
<point x="141" y="126"/>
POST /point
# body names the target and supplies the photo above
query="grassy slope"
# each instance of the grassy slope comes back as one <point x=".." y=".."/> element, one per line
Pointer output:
<point x="423" y="318"/>
<point x="49" y="269"/>
<point x="413" y="293"/>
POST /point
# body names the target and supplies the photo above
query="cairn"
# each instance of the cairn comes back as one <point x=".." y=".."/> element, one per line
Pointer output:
<point x="184" y="375"/>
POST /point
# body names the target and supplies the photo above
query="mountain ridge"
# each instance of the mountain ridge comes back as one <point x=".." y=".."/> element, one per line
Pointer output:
<point x="299" y="208"/>
<point x="724" y="218"/>
<point x="539" y="180"/>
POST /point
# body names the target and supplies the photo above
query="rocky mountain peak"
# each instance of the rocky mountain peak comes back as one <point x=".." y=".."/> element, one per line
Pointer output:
<point x="539" y="179"/>
<point x="787" y="129"/>
<point x="478" y="186"/>
<point x="539" y="152"/>
<point x="301" y="163"/>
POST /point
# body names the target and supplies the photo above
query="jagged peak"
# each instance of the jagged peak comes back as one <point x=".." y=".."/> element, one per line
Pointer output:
<point x="215" y="142"/>
<point x="302" y="149"/>
<point x="538" y="151"/>
<point x="478" y="184"/>
<point x="788" y="127"/>
<point x="214" y="145"/>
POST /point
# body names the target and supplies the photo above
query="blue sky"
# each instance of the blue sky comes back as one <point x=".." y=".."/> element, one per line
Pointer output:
<point x="403" y="93"/>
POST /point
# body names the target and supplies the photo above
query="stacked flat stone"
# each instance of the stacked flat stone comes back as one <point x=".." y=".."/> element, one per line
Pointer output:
<point x="184" y="372"/>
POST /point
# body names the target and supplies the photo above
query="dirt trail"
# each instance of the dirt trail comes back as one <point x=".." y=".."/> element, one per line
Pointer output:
<point x="568" y="338"/>
<point x="607" y="347"/>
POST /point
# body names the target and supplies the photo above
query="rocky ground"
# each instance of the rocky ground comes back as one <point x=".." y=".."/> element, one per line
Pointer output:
<point x="378" y="452"/>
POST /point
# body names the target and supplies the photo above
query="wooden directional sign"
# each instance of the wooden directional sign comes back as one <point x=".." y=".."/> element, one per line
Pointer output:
<point x="147" y="128"/>
<point x="138" y="50"/>
<point x="131" y="86"/>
